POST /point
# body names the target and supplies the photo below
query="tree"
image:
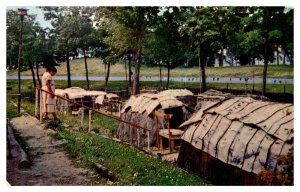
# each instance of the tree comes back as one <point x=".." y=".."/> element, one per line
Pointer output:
<point x="62" y="31"/>
<point x="137" y="22"/>
<point x="270" y="36"/>
<point x="12" y="38"/>
<point x="106" y="51"/>
<point x="84" y="36"/>
<point x="35" y="44"/>
<point x="202" y="30"/>
<point x="164" y="46"/>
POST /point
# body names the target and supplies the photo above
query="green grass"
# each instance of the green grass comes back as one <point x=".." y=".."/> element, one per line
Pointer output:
<point x="96" y="68"/>
<point x="11" y="110"/>
<point x="131" y="166"/>
<point x="100" y="124"/>
<point x="114" y="85"/>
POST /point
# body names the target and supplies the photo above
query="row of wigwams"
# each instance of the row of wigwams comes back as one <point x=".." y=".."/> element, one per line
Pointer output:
<point x="239" y="135"/>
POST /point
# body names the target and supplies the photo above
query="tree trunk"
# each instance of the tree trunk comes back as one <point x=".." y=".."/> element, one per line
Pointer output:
<point x="107" y="75"/>
<point x="136" y="82"/>
<point x="200" y="66"/>
<point x="160" y="77"/>
<point x="68" y="64"/>
<point x="283" y="62"/>
<point x="277" y="56"/>
<point x="129" y="71"/>
<point x="168" y="78"/>
<point x="253" y="61"/>
<point x="86" y="71"/>
<point x="203" y="85"/>
<point x="38" y="76"/>
<point x="33" y="75"/>
<point x="10" y="63"/>
<point x="266" y="51"/>
<point x="202" y="72"/>
<point x="222" y="57"/>
<point x="125" y="70"/>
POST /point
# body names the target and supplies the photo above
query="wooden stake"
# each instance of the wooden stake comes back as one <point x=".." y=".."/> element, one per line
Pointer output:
<point x="82" y="116"/>
<point x="148" y="138"/>
<point x="90" y="120"/>
<point x="41" y="103"/>
<point x="36" y="109"/>
<point x="138" y="137"/>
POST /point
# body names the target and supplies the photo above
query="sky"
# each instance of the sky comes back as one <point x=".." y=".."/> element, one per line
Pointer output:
<point x="33" y="10"/>
<point x="30" y="4"/>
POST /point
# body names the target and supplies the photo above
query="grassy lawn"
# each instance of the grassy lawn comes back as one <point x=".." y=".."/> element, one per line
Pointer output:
<point x="96" y="68"/>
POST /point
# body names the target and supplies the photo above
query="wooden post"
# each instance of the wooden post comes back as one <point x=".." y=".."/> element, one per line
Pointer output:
<point x="119" y="109"/>
<point x="82" y="116"/>
<point x="157" y="131"/>
<point x="41" y="106"/>
<point x="148" y="138"/>
<point x="90" y="120"/>
<point x="130" y="135"/>
<point x="170" y="134"/>
<point x="36" y="109"/>
<point x="138" y="137"/>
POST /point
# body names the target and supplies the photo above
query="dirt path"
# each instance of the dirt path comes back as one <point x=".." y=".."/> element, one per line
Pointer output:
<point x="51" y="165"/>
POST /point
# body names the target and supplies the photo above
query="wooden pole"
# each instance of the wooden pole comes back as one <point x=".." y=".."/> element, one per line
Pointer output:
<point x="130" y="135"/>
<point x="157" y="131"/>
<point x="41" y="106"/>
<point x="169" y="133"/>
<point x="20" y="59"/>
<point x="82" y="116"/>
<point x="148" y="139"/>
<point x="36" y="109"/>
<point x="138" y="137"/>
<point x="90" y="120"/>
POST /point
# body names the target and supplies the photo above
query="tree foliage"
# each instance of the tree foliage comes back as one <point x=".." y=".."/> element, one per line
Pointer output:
<point x="157" y="36"/>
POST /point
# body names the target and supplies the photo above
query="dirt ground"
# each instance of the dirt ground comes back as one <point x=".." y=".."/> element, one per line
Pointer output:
<point x="51" y="165"/>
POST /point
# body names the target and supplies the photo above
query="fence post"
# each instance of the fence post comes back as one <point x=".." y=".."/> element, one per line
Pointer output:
<point x="90" y="120"/>
<point x="130" y="135"/>
<point x="36" y="109"/>
<point x="138" y="137"/>
<point x="148" y="138"/>
<point x="41" y="105"/>
<point x="82" y="116"/>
